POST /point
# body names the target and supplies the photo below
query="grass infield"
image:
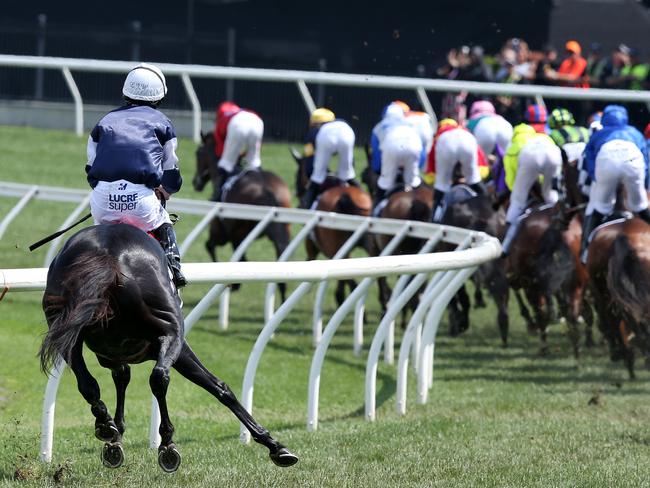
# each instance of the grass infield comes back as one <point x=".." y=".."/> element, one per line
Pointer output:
<point x="495" y="417"/>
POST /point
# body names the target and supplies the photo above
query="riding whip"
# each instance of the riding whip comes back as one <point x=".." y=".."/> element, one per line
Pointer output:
<point x="49" y="238"/>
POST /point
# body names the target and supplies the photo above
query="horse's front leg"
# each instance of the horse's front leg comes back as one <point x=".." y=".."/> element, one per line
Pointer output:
<point x="191" y="368"/>
<point x="105" y="428"/>
<point x="169" y="458"/>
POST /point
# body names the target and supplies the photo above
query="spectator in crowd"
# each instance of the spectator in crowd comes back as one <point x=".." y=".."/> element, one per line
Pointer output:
<point x="572" y="70"/>
<point x="596" y="64"/>
<point x="548" y="62"/>
<point x="634" y="75"/>
<point x="611" y="76"/>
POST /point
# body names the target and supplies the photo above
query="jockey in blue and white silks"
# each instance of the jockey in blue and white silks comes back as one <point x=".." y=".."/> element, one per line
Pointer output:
<point x="132" y="162"/>
<point x="396" y="145"/>
<point x="615" y="154"/>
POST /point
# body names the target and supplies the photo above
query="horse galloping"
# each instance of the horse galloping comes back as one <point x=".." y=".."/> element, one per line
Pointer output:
<point x="109" y="288"/>
<point x="619" y="279"/>
<point x="339" y="197"/>
<point x="257" y="187"/>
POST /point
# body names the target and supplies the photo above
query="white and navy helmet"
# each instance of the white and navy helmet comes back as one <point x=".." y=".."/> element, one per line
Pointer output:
<point x="146" y="83"/>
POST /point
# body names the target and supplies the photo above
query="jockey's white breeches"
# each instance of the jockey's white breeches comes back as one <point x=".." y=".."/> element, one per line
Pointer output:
<point x="244" y="137"/>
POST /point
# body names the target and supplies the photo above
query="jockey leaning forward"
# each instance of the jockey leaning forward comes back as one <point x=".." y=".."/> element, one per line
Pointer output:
<point x="132" y="163"/>
<point x="395" y="145"/>
<point x="529" y="155"/>
<point x="237" y="132"/>
<point x="615" y="154"/>
<point x="453" y="144"/>
<point x="326" y="137"/>
<point x="493" y="134"/>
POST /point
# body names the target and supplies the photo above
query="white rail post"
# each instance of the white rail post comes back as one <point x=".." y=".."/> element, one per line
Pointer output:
<point x="78" y="102"/>
<point x="426" y="105"/>
<point x="317" y="324"/>
<point x="432" y="323"/>
<point x="389" y="344"/>
<point x="13" y="213"/>
<point x="196" y="107"/>
<point x="269" y="296"/>
<point x="306" y="96"/>
<point x="49" y="405"/>
<point x="333" y="325"/>
<point x="224" y="304"/>
<point x="198" y="228"/>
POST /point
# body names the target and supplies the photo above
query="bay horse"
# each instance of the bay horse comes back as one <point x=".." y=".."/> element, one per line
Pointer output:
<point x="259" y="187"/>
<point x="109" y="288"/>
<point x="416" y="205"/>
<point x="336" y="196"/>
<point x="619" y="280"/>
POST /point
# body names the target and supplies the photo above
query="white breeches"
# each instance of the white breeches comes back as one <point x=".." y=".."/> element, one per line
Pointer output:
<point x="244" y="137"/>
<point x="401" y="149"/>
<point x="491" y="131"/>
<point x="456" y="146"/>
<point x="335" y="137"/>
<point x="127" y="203"/>
<point x="536" y="158"/>
<point x="618" y="162"/>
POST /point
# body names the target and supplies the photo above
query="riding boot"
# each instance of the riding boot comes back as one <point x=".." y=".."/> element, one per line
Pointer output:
<point x="167" y="237"/>
<point x="509" y="238"/>
<point x="588" y="225"/>
<point x="223" y="175"/>
<point x="310" y="195"/>
<point x="478" y="188"/>
<point x="379" y="195"/>
<point x="644" y="215"/>
<point x="436" y="213"/>
<point x="353" y="182"/>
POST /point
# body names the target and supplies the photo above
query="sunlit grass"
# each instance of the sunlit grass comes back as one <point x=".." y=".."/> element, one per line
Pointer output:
<point x="495" y="417"/>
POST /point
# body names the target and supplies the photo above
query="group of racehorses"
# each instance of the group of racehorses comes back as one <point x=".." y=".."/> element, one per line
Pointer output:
<point x="109" y="287"/>
<point x="544" y="269"/>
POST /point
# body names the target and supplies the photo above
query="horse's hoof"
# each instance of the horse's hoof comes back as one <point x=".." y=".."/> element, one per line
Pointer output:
<point x="283" y="458"/>
<point x="169" y="458"/>
<point x="112" y="455"/>
<point x="107" y="432"/>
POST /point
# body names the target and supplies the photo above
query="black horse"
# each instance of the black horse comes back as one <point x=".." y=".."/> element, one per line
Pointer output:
<point x="109" y="288"/>
<point x="476" y="213"/>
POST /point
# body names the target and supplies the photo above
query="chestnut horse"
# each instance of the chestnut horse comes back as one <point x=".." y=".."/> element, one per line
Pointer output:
<point x="338" y="197"/>
<point x="258" y="187"/>
<point x="619" y="280"/>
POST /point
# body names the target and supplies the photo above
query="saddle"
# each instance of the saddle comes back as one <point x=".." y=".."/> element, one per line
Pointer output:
<point x="611" y="219"/>
<point x="232" y="181"/>
<point x="534" y="208"/>
<point x="458" y="193"/>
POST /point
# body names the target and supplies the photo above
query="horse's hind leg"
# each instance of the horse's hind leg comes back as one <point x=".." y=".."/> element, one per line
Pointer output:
<point x="121" y="374"/>
<point x="105" y="428"/>
<point x="191" y="368"/>
<point x="169" y="458"/>
<point x="280" y="236"/>
<point x="479" y="302"/>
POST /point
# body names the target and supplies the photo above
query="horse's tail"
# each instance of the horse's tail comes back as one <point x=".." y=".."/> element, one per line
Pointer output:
<point x="628" y="280"/>
<point x="87" y="285"/>
<point x="554" y="262"/>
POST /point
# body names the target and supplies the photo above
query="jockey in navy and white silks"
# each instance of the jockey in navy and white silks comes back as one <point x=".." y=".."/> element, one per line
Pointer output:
<point x="396" y="145"/>
<point x="326" y="137"/>
<point x="615" y="154"/>
<point x="132" y="161"/>
<point x="238" y="133"/>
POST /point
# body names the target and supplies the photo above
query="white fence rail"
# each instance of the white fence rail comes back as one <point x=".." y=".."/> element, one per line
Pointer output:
<point x="301" y="78"/>
<point x="446" y="271"/>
